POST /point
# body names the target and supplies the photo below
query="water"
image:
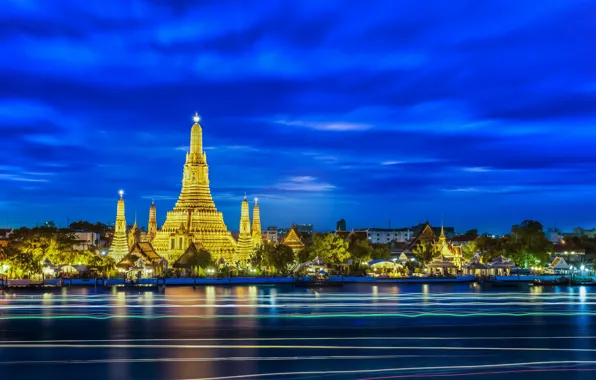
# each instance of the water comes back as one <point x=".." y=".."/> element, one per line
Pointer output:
<point x="249" y="332"/>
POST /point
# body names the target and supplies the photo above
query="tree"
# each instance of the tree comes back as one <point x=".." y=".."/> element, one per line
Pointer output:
<point x="469" y="250"/>
<point x="280" y="258"/>
<point x="44" y="243"/>
<point x="488" y="247"/>
<point x="331" y="248"/>
<point x="381" y="252"/>
<point x="305" y="254"/>
<point x="105" y="264"/>
<point x="257" y="258"/>
<point x="200" y="259"/>
<point x="23" y="264"/>
<point x="528" y="244"/>
<point x="424" y="252"/>
<point x="360" y="251"/>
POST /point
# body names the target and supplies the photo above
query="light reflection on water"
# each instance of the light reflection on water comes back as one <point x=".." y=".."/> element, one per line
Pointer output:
<point x="358" y="327"/>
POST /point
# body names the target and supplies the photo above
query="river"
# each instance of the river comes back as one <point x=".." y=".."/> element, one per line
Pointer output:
<point x="281" y="332"/>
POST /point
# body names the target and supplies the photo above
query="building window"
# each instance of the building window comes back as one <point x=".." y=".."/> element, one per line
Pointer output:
<point x="172" y="242"/>
<point x="180" y="243"/>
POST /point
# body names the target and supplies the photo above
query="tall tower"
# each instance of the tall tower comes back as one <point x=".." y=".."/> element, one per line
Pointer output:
<point x="119" y="247"/>
<point x="152" y="226"/>
<point x="257" y="239"/>
<point x="244" y="248"/>
<point x="195" y="219"/>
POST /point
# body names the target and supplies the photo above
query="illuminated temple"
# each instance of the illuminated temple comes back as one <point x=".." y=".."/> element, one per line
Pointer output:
<point x="195" y="219"/>
<point x="244" y="248"/>
<point x="119" y="247"/>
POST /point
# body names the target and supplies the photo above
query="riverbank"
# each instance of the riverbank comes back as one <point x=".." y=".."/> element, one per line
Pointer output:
<point x="260" y="281"/>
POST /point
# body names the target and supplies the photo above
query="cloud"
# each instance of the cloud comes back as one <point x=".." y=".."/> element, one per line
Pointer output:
<point x="326" y="126"/>
<point x="404" y="109"/>
<point x="476" y="169"/>
<point x="304" y="183"/>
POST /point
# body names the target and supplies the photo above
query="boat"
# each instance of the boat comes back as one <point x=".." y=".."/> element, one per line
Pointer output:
<point x="556" y="282"/>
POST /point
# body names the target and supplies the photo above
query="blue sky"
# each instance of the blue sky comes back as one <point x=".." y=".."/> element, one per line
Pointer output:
<point x="480" y="113"/>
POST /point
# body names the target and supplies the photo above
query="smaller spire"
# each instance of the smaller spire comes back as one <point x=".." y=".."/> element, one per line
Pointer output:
<point x="135" y="225"/>
<point x="196" y="117"/>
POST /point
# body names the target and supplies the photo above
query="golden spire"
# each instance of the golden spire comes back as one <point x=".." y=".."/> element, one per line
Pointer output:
<point x="119" y="246"/>
<point x="152" y="226"/>
<point x="244" y="248"/>
<point x="195" y="218"/>
<point x="134" y="234"/>
<point x="196" y="137"/>
<point x="257" y="239"/>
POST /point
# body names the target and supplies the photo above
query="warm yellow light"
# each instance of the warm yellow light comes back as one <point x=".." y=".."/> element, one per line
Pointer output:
<point x="196" y="117"/>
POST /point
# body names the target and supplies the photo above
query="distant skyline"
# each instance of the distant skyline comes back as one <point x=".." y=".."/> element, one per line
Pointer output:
<point x="481" y="114"/>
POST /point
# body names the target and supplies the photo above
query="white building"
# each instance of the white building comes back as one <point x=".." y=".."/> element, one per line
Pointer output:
<point x="270" y="235"/>
<point x="85" y="240"/>
<point x="387" y="235"/>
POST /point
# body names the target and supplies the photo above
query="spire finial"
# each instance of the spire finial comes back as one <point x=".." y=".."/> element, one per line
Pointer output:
<point x="121" y="192"/>
<point x="196" y="117"/>
<point x="245" y="195"/>
<point x="256" y="200"/>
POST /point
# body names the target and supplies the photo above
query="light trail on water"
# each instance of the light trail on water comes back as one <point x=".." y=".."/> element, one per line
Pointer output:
<point x="407" y="369"/>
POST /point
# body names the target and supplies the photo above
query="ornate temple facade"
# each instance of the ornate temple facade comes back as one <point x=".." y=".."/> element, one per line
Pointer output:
<point x="119" y="247"/>
<point x="293" y="240"/>
<point x="257" y="238"/>
<point x="244" y="248"/>
<point x="195" y="218"/>
<point x="443" y="250"/>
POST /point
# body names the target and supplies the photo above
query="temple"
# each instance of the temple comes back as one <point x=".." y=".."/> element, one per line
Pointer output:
<point x="293" y="240"/>
<point x="244" y="248"/>
<point x="119" y="247"/>
<point x="194" y="218"/>
<point x="445" y="254"/>
<point x="152" y="226"/>
<point x="257" y="239"/>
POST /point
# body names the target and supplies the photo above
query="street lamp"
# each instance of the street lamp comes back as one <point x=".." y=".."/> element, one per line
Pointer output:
<point x="582" y="268"/>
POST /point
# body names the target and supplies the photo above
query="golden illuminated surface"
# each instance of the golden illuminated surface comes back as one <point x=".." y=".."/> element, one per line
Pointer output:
<point x="244" y="239"/>
<point x="152" y="226"/>
<point x="257" y="239"/>
<point x="119" y="247"/>
<point x="195" y="218"/>
<point x="292" y="240"/>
